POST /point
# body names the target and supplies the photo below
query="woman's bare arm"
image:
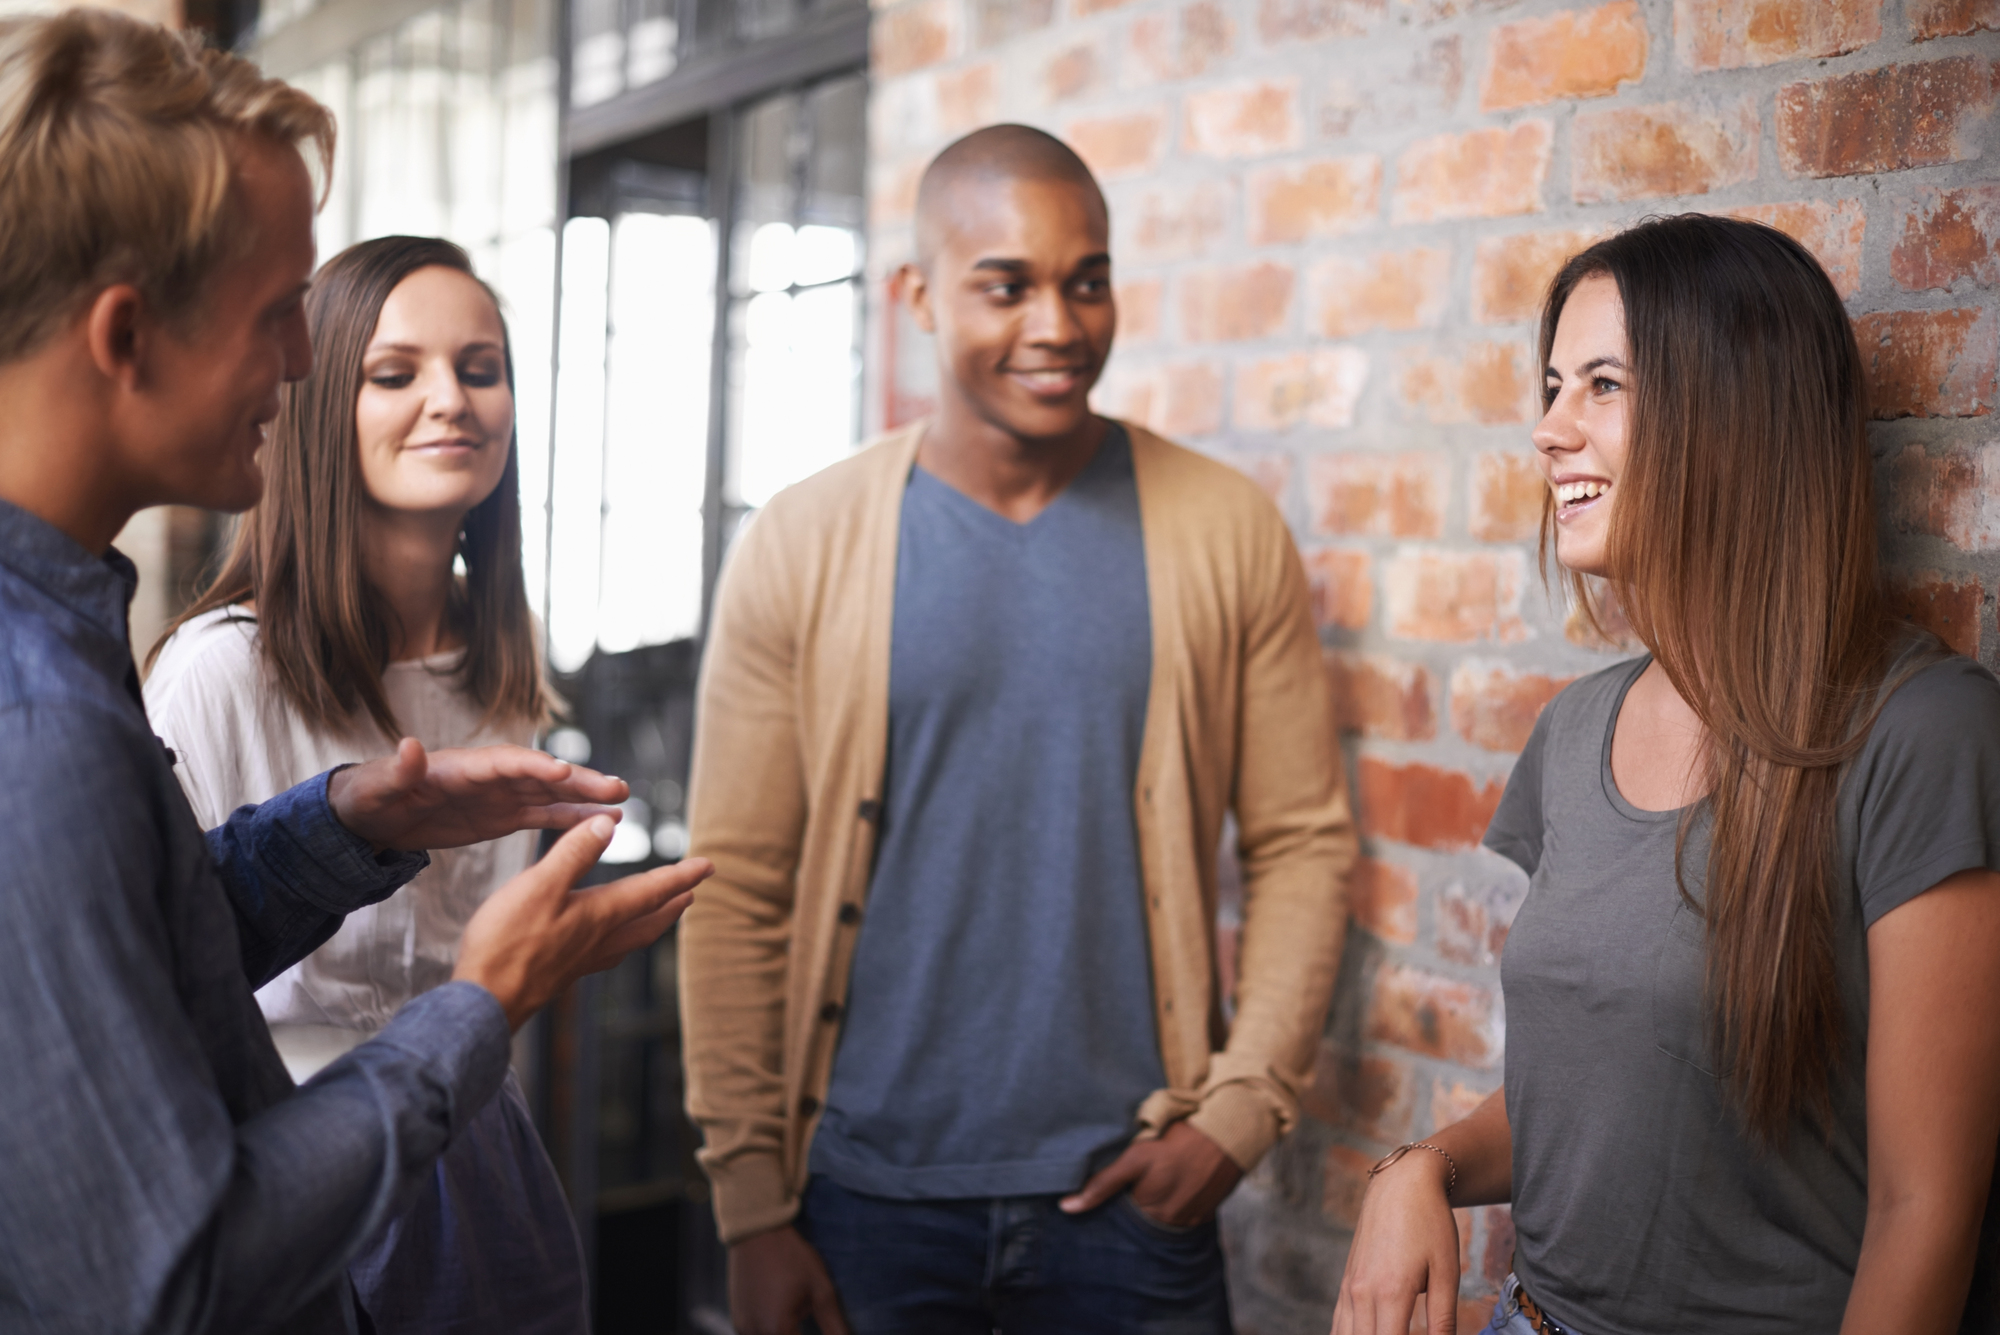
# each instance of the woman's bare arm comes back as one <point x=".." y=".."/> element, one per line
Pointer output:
<point x="1406" y="1241"/>
<point x="1933" y="1104"/>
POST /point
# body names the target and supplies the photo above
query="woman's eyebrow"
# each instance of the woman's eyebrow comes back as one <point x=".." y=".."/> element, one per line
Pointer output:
<point x="412" y="349"/>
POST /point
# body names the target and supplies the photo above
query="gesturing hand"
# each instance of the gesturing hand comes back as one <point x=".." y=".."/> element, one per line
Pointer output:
<point x="417" y="800"/>
<point x="536" y="935"/>
<point x="1405" y="1244"/>
<point x="1178" y="1179"/>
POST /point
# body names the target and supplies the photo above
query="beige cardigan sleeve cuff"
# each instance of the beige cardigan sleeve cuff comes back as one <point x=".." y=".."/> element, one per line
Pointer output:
<point x="1242" y="1118"/>
<point x="751" y="1196"/>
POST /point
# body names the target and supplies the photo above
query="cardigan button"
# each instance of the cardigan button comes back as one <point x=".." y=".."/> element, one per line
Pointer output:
<point x="808" y="1105"/>
<point x="870" y="810"/>
<point x="830" y="1012"/>
<point x="850" y="914"/>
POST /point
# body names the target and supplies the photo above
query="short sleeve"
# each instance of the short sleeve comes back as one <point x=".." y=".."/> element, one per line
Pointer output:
<point x="1926" y="786"/>
<point x="1515" y="832"/>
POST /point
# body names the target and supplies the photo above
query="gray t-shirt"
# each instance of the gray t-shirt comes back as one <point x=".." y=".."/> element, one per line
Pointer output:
<point x="999" y="1033"/>
<point x="1640" y="1205"/>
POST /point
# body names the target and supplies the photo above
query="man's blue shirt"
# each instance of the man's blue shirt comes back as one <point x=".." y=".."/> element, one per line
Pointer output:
<point x="158" y="1170"/>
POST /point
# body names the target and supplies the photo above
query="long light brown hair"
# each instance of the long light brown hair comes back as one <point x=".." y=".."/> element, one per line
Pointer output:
<point x="324" y="631"/>
<point x="1743" y="551"/>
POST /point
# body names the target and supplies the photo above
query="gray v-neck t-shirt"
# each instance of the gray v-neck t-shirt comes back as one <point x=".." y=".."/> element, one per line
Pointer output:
<point x="1640" y="1206"/>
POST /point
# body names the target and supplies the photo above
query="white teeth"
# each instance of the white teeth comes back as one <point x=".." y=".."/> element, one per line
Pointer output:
<point x="1570" y="492"/>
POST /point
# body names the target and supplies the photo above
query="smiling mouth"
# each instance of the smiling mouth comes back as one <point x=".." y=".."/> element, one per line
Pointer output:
<point x="1050" y="379"/>
<point x="1572" y="497"/>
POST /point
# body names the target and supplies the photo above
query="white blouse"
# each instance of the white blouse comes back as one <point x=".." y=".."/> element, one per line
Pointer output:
<point x="239" y="741"/>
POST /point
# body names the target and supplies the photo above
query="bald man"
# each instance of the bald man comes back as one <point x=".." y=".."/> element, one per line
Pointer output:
<point x="976" y="703"/>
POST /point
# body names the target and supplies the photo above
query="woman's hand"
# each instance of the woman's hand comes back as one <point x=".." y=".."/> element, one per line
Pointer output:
<point x="1405" y="1243"/>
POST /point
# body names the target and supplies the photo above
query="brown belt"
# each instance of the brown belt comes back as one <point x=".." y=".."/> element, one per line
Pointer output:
<point x="1537" y="1318"/>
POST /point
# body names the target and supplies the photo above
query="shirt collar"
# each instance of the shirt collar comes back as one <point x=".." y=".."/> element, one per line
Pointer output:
<point x="98" y="589"/>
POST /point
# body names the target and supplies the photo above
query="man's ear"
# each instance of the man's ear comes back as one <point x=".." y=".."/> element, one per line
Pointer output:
<point x="914" y="286"/>
<point x="113" y="328"/>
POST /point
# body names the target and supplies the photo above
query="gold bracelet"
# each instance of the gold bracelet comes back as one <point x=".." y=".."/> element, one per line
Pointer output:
<point x="1389" y="1160"/>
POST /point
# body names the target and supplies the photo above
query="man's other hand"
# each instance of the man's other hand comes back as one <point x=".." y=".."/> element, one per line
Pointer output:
<point x="1177" y="1179"/>
<point x="416" y="800"/>
<point x="536" y="934"/>
<point x="776" y="1280"/>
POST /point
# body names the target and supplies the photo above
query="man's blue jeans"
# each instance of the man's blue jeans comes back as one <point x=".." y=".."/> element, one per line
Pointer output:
<point x="1016" y="1265"/>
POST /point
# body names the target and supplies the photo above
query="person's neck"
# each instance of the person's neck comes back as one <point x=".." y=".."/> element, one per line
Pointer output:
<point x="1014" y="476"/>
<point x="55" y="447"/>
<point x="408" y="558"/>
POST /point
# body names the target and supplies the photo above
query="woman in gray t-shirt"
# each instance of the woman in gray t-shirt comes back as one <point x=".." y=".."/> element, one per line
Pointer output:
<point x="1753" y="1065"/>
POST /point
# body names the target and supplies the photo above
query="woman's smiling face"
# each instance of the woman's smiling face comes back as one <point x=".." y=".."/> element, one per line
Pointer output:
<point x="435" y="416"/>
<point x="1580" y="441"/>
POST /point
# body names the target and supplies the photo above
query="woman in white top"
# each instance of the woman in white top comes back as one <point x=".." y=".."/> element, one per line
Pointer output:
<point x="375" y="593"/>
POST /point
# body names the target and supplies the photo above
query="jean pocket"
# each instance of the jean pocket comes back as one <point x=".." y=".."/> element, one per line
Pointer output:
<point x="1159" y="1227"/>
<point x="1680" y="992"/>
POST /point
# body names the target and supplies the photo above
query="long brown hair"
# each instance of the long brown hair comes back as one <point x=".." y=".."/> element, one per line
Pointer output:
<point x="1743" y="552"/>
<point x="324" y="632"/>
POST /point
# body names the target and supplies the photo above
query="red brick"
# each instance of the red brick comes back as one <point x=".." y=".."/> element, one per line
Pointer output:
<point x="1729" y="34"/>
<point x="1285" y="21"/>
<point x="1464" y="934"/>
<point x="1954" y="495"/>
<point x="1454" y="1103"/>
<point x="1343" y="592"/>
<point x="1379" y="494"/>
<point x="1392" y="289"/>
<point x="1456" y="597"/>
<point x="1245" y="301"/>
<point x="967" y="99"/>
<point x="1947" y="606"/>
<point x="1486" y="173"/>
<point x="1191" y="402"/>
<point x="1438" y="1017"/>
<point x="1116" y="146"/>
<point x="1346" y="1182"/>
<point x="1130" y="393"/>
<point x="1572" y="53"/>
<point x="1239" y="120"/>
<point x="1888" y="119"/>
<point x="1319" y="388"/>
<point x="1170" y="46"/>
<point x="1496" y="1228"/>
<point x="1949" y="235"/>
<point x="1616" y="630"/>
<point x="1071" y="73"/>
<point x="1178" y="224"/>
<point x="1366" y="1096"/>
<point x="1929" y="363"/>
<point x="1495" y="707"/>
<point x="1952" y="18"/>
<point x="1327" y="197"/>
<point x="1388" y="101"/>
<point x="1511" y="274"/>
<point x="1671" y="148"/>
<point x="1831" y="229"/>
<point x="1423" y="805"/>
<point x="1270" y="470"/>
<point x="909" y="37"/>
<point x="1508" y="494"/>
<point x="1488" y="383"/>
<point x="892" y="191"/>
<point x="1382" y="899"/>
<point x="998" y="21"/>
<point x="1139" y="310"/>
<point x="1381" y="697"/>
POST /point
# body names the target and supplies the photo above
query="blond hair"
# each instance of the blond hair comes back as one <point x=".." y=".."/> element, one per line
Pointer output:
<point x="116" y="164"/>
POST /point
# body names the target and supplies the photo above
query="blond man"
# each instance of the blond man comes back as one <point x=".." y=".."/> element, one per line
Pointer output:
<point x="158" y="1172"/>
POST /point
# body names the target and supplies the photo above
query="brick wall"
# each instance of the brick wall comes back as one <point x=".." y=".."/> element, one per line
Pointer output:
<point x="1332" y="222"/>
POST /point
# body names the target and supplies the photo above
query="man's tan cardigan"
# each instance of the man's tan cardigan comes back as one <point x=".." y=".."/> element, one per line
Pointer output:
<point x="793" y="729"/>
